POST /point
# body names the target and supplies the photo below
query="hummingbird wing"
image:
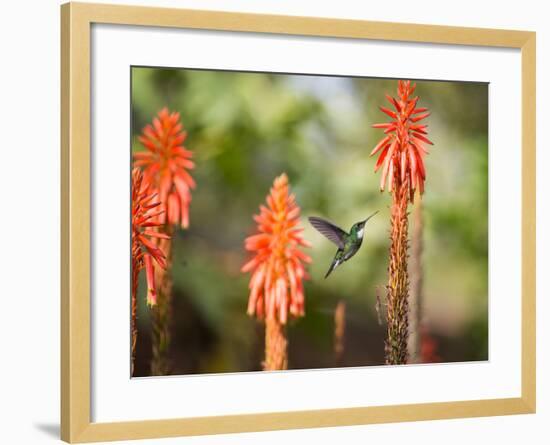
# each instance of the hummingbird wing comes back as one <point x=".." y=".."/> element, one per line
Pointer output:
<point x="331" y="231"/>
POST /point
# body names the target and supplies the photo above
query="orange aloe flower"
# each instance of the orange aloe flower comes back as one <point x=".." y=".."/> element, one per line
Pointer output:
<point x="278" y="271"/>
<point x="165" y="166"/>
<point x="145" y="211"/>
<point x="402" y="150"/>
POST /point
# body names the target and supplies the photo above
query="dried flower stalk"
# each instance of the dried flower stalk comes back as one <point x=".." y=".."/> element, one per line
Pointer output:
<point x="398" y="285"/>
<point x="339" y="332"/>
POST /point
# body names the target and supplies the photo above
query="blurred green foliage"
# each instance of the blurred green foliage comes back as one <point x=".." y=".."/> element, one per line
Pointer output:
<point x="245" y="129"/>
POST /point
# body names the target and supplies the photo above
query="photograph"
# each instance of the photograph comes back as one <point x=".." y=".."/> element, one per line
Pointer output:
<point x="290" y="221"/>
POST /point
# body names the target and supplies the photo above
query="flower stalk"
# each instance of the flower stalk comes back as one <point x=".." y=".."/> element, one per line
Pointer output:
<point x="166" y="164"/>
<point x="339" y="332"/>
<point x="161" y="313"/>
<point x="398" y="285"/>
<point x="276" y="346"/>
<point x="401" y="161"/>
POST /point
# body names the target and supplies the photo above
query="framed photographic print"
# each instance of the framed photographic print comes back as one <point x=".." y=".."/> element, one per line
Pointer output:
<point x="275" y="222"/>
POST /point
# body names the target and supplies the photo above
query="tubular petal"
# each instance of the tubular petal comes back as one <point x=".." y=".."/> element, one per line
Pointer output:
<point x="423" y="139"/>
<point x="388" y="112"/>
<point x="381" y="158"/>
<point x="380" y="145"/>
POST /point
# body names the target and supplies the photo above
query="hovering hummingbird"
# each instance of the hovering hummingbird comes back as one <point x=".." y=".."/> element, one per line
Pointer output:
<point x="348" y="243"/>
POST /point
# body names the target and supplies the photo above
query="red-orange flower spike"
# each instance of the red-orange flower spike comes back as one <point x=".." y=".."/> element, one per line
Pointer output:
<point x="165" y="166"/>
<point x="402" y="149"/>
<point x="145" y="210"/>
<point x="276" y="285"/>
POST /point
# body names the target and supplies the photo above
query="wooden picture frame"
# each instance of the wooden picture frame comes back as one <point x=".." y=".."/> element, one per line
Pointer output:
<point x="76" y="21"/>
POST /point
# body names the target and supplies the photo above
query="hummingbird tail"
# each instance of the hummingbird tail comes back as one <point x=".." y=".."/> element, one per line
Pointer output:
<point x="331" y="268"/>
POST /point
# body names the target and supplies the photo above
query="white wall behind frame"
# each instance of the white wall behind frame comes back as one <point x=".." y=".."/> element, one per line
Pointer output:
<point x="29" y="330"/>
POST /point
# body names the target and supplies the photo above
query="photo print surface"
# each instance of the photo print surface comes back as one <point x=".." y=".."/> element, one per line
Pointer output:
<point x="289" y="221"/>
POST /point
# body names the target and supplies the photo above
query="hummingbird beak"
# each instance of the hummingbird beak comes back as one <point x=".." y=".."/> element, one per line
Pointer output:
<point x="364" y="222"/>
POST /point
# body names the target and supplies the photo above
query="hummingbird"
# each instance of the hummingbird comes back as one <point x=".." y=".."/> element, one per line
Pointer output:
<point x="348" y="243"/>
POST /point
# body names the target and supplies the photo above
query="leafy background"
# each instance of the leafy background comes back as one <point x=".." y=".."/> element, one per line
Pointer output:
<point x="247" y="128"/>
